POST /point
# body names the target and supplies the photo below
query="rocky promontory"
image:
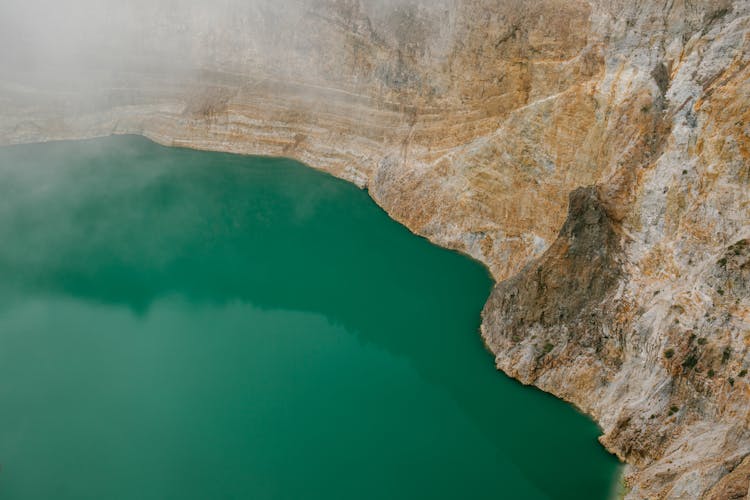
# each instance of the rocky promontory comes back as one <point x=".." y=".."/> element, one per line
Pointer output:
<point x="594" y="155"/>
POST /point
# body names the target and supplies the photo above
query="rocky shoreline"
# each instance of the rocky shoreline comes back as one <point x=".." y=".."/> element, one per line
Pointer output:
<point x="594" y="155"/>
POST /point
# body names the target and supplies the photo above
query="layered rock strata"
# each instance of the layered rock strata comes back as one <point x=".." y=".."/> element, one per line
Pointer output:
<point x="594" y="155"/>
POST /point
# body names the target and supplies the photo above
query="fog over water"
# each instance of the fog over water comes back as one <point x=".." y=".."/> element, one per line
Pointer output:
<point x="76" y="68"/>
<point x="177" y="324"/>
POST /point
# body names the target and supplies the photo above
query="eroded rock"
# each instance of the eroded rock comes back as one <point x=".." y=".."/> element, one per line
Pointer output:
<point x="472" y="122"/>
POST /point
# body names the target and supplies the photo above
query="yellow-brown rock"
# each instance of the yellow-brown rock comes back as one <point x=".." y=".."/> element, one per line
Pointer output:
<point x="474" y="122"/>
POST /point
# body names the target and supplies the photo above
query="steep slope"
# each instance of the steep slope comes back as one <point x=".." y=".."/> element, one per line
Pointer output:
<point x="480" y="124"/>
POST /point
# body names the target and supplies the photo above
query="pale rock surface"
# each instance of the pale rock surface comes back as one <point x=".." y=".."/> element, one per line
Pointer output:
<point x="474" y="122"/>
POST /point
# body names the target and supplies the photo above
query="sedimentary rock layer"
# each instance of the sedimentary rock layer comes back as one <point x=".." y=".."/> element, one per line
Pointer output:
<point x="595" y="155"/>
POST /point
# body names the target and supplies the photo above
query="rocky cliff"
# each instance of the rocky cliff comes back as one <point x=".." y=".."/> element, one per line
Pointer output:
<point x="595" y="155"/>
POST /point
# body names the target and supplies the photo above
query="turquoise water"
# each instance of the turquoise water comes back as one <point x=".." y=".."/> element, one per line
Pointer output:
<point x="185" y="325"/>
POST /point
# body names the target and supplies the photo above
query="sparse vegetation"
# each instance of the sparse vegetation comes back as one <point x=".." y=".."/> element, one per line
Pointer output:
<point x="690" y="361"/>
<point x="725" y="354"/>
<point x="702" y="341"/>
<point x="548" y="347"/>
<point x="718" y="14"/>
<point x="731" y="381"/>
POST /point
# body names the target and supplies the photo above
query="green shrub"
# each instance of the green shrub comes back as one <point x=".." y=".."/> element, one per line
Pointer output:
<point x="711" y="373"/>
<point x="669" y="353"/>
<point x="702" y="341"/>
<point x="690" y="361"/>
<point x="743" y="372"/>
<point x="548" y="347"/>
<point x="725" y="354"/>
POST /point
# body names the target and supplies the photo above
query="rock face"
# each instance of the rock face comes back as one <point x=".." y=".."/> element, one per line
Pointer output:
<point x="561" y="306"/>
<point x="480" y="124"/>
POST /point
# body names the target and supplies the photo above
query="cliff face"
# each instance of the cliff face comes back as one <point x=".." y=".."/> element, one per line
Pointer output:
<point x="595" y="155"/>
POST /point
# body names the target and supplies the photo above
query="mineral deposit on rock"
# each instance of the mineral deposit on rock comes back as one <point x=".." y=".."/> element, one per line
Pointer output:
<point x="595" y="155"/>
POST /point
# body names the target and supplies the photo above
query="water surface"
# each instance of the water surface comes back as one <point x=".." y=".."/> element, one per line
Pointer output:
<point x="185" y="325"/>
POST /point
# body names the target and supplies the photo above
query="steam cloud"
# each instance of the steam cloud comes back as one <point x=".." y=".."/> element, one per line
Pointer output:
<point x="65" y="38"/>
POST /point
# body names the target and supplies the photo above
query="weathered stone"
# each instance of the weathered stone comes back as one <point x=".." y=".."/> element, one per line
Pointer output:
<point x="471" y="122"/>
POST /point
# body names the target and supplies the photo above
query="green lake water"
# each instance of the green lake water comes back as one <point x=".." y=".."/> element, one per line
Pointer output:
<point x="178" y="324"/>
